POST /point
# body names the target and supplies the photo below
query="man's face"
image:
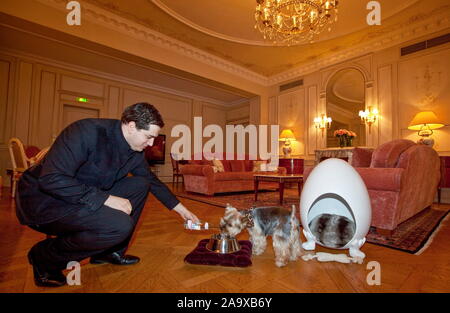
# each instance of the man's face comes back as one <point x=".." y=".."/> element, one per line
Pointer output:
<point x="139" y="139"/>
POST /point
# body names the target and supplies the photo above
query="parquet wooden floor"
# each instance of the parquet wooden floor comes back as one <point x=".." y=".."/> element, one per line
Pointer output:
<point x="162" y="243"/>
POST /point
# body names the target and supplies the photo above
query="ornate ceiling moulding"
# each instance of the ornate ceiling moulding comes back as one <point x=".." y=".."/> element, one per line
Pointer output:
<point x="415" y="29"/>
<point x="205" y="30"/>
<point x="432" y="24"/>
<point x="97" y="15"/>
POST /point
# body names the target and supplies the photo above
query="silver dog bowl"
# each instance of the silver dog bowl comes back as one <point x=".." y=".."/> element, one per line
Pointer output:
<point x="222" y="243"/>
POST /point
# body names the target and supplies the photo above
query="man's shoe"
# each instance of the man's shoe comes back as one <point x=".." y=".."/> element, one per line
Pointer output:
<point x="44" y="278"/>
<point x="115" y="258"/>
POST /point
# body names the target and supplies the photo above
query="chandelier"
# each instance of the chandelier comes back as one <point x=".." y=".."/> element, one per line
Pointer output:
<point x="294" y="21"/>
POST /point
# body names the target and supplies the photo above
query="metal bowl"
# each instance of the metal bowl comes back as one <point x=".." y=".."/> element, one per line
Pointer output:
<point x="222" y="243"/>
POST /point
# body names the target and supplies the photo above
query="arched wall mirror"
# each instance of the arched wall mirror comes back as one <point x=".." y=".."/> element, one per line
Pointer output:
<point x="345" y="96"/>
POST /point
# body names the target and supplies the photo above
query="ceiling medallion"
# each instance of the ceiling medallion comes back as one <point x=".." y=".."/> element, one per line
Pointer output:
<point x="292" y="22"/>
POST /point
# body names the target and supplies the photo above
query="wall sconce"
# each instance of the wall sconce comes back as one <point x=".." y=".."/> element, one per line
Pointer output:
<point x="369" y="116"/>
<point x="287" y="135"/>
<point x="322" y="122"/>
<point x="424" y="123"/>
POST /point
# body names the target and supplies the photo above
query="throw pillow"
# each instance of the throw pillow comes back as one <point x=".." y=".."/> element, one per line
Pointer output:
<point x="259" y="166"/>
<point x="218" y="165"/>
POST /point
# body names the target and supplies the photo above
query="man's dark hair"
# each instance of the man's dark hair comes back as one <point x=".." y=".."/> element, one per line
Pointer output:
<point x="143" y="114"/>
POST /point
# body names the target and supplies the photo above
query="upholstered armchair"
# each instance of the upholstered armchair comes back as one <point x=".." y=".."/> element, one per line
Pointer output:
<point x="401" y="177"/>
<point x="21" y="159"/>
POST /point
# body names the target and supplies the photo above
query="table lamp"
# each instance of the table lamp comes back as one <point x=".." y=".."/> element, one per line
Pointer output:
<point x="424" y="123"/>
<point x="287" y="135"/>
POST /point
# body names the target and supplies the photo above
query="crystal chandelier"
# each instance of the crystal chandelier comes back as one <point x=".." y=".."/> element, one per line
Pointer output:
<point x="294" y="21"/>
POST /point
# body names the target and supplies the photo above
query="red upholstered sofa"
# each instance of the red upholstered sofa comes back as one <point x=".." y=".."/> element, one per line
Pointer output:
<point x="199" y="176"/>
<point x="401" y="177"/>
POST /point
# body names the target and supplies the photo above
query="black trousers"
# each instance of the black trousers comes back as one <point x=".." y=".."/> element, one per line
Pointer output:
<point x="85" y="233"/>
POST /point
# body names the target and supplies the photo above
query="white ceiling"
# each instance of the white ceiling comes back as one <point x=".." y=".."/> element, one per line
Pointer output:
<point x="225" y="28"/>
<point x="233" y="20"/>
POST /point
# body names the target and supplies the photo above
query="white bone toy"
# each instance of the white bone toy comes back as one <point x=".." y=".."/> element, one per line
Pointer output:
<point x="328" y="257"/>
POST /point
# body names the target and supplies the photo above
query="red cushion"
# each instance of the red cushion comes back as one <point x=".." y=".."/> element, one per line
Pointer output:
<point x="31" y="151"/>
<point x="202" y="256"/>
<point x="387" y="154"/>
<point x="237" y="166"/>
<point x="233" y="176"/>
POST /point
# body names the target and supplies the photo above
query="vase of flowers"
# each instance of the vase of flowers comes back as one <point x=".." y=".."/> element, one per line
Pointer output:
<point x="345" y="137"/>
<point x="349" y="138"/>
<point x="340" y="134"/>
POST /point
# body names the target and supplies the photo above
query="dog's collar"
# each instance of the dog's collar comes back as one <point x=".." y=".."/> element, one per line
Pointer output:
<point x="248" y="217"/>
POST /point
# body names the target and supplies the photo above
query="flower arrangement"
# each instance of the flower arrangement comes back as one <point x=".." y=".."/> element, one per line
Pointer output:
<point x="345" y="137"/>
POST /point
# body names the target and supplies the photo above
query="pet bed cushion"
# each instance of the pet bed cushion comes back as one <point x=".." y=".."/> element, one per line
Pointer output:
<point x="202" y="256"/>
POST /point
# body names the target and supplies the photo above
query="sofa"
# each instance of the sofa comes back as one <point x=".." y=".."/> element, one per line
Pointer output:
<point x="401" y="177"/>
<point x="200" y="177"/>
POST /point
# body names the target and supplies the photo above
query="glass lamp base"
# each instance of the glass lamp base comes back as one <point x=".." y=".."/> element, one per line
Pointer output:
<point x="287" y="151"/>
<point x="428" y="141"/>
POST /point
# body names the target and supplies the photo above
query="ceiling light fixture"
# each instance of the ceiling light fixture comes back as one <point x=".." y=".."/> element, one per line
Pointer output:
<point x="294" y="21"/>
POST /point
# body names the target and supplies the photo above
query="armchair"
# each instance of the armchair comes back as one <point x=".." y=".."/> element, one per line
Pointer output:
<point x="22" y="158"/>
<point x="402" y="180"/>
<point x="19" y="161"/>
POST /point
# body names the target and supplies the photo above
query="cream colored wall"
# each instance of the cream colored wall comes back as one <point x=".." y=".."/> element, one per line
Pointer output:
<point x="38" y="100"/>
<point x="428" y="76"/>
<point x="103" y="27"/>
<point x="398" y="86"/>
<point x="239" y="113"/>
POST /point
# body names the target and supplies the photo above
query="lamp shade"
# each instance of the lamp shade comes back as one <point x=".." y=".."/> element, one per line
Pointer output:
<point x="287" y="134"/>
<point x="427" y="118"/>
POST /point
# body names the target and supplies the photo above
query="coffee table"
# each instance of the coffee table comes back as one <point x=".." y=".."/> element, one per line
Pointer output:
<point x="281" y="179"/>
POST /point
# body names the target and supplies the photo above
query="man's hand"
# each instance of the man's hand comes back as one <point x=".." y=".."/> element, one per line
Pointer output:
<point x="119" y="203"/>
<point x="185" y="213"/>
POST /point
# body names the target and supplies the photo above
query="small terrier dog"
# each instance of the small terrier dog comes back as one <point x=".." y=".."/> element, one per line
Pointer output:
<point x="261" y="222"/>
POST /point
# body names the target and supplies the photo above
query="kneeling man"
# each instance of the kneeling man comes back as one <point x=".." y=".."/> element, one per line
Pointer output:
<point x="81" y="193"/>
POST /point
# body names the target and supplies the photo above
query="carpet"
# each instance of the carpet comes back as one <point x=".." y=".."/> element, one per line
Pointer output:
<point x="245" y="200"/>
<point x="411" y="236"/>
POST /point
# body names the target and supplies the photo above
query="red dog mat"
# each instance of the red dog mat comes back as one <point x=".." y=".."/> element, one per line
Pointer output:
<point x="202" y="256"/>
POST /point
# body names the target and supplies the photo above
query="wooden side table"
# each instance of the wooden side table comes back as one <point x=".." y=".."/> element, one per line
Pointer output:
<point x="292" y="165"/>
<point x="281" y="179"/>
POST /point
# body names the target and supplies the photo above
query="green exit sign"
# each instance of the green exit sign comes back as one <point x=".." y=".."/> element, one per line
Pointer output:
<point x="82" y="100"/>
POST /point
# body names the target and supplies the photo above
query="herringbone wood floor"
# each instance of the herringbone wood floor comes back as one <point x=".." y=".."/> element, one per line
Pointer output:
<point x="162" y="244"/>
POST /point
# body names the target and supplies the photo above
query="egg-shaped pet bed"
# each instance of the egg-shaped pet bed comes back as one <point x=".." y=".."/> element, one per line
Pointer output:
<point x="335" y="208"/>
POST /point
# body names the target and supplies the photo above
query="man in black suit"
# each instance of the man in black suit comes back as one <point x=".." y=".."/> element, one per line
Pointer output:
<point x="82" y="194"/>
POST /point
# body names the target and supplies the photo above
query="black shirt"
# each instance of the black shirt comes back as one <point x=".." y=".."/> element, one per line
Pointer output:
<point x="84" y="162"/>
